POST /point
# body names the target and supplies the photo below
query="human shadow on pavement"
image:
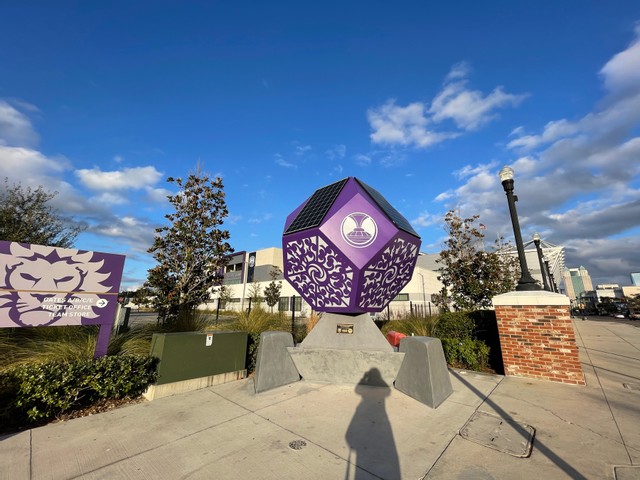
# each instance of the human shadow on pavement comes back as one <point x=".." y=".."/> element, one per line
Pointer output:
<point x="372" y="449"/>
<point x="539" y="446"/>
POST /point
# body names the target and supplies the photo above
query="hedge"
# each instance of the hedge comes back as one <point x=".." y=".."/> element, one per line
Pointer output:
<point x="37" y="392"/>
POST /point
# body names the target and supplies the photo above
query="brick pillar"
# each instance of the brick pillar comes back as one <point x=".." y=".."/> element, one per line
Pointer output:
<point x="537" y="337"/>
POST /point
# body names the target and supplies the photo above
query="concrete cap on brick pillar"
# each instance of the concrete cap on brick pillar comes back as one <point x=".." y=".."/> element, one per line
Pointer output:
<point x="536" y="297"/>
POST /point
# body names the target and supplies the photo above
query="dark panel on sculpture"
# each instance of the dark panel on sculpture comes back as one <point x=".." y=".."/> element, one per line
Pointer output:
<point x="317" y="207"/>
<point x="394" y="215"/>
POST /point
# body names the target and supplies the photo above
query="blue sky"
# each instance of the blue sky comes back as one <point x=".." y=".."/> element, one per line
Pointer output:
<point x="424" y="101"/>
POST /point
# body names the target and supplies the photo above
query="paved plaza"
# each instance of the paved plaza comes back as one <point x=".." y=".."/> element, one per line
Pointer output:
<point x="317" y="431"/>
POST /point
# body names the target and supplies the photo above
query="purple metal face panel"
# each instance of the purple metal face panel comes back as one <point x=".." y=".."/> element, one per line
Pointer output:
<point x="388" y="272"/>
<point x="356" y="260"/>
<point x="42" y="286"/>
<point x="359" y="229"/>
<point x="319" y="272"/>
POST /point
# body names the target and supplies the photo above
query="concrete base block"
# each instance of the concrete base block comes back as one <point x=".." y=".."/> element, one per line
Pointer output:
<point x="154" y="392"/>
<point x="274" y="366"/>
<point x="349" y="367"/>
<point x="335" y="330"/>
<point x="424" y="374"/>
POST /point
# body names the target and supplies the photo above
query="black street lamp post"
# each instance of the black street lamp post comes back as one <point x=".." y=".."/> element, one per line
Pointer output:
<point x="526" y="282"/>
<point x="543" y="270"/>
<point x="554" y="287"/>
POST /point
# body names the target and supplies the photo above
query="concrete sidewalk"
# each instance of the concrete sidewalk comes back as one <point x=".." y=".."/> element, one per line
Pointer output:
<point x="338" y="432"/>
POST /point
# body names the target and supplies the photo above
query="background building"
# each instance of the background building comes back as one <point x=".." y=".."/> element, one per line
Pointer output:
<point x="635" y="279"/>
<point x="552" y="257"/>
<point x="576" y="281"/>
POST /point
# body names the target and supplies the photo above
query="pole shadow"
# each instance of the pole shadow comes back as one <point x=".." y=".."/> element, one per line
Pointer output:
<point x="372" y="448"/>
<point x="537" y="445"/>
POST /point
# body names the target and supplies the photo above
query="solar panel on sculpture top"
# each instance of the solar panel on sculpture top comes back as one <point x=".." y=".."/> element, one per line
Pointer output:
<point x="317" y="207"/>
<point x="394" y="215"/>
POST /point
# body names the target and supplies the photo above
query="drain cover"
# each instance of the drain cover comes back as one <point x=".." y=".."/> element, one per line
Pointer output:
<point x="632" y="386"/>
<point x="297" y="444"/>
<point x="504" y="435"/>
<point x="626" y="472"/>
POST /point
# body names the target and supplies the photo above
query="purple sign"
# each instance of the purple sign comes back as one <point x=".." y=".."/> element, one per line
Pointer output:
<point x="44" y="286"/>
<point x="347" y="250"/>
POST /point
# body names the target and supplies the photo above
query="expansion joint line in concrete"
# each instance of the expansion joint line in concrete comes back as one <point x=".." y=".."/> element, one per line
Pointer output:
<point x="31" y="454"/>
<point x="623" y="339"/>
<point x="604" y="394"/>
<point x="457" y="433"/>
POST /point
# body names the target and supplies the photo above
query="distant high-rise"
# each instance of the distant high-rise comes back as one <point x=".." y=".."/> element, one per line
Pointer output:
<point x="635" y="279"/>
<point x="576" y="281"/>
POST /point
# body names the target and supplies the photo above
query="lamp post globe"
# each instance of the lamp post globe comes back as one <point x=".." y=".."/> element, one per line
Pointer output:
<point x="526" y="282"/>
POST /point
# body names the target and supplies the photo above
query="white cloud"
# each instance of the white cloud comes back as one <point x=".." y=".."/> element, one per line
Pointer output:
<point x="552" y="131"/>
<point x="301" y="150"/>
<point x="336" y="152"/>
<point x="459" y="71"/>
<point x="425" y="219"/>
<point x="282" y="162"/>
<point x="265" y="217"/>
<point x="362" y="160"/>
<point x="415" y="125"/>
<point x="30" y="166"/>
<point x="109" y="198"/>
<point x="621" y="74"/>
<point x="157" y="195"/>
<point x="15" y="127"/>
<point x="470" y="109"/>
<point x="578" y="181"/>
<point x="128" y="178"/>
<point x="405" y="126"/>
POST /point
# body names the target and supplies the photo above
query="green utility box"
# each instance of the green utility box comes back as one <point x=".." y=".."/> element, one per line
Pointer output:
<point x="184" y="356"/>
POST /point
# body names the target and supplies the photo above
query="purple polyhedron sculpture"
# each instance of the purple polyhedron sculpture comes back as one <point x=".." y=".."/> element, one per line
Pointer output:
<point x="347" y="250"/>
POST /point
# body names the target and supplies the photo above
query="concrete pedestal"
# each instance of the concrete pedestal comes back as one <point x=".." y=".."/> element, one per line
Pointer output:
<point x="341" y="349"/>
<point x="424" y="374"/>
<point x="335" y="366"/>
<point x="274" y="366"/>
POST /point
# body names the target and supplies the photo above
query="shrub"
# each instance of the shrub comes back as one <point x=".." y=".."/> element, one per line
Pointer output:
<point x="467" y="353"/>
<point x="42" y="391"/>
<point x="457" y="325"/>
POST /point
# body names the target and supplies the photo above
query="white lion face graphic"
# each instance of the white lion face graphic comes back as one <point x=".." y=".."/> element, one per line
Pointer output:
<point x="45" y="283"/>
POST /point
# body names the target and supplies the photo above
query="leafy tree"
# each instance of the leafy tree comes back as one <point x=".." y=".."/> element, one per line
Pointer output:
<point x="274" y="289"/>
<point x="192" y="250"/>
<point x="26" y="216"/>
<point x="141" y="297"/>
<point x="471" y="276"/>
<point x="255" y="294"/>
<point x="224" y="294"/>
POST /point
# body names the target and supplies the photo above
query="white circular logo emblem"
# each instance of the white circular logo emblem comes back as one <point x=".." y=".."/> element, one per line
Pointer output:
<point x="101" y="303"/>
<point x="359" y="230"/>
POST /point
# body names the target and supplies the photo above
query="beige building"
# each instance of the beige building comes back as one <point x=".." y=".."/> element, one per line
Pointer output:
<point x="576" y="282"/>
<point x="247" y="271"/>
<point x="631" y="291"/>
